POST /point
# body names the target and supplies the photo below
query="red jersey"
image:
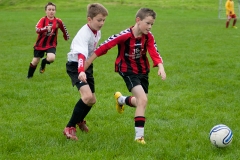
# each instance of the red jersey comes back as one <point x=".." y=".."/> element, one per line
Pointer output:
<point x="132" y="57"/>
<point x="47" y="39"/>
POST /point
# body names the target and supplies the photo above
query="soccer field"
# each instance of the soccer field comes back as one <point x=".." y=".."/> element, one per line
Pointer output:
<point x="201" y="59"/>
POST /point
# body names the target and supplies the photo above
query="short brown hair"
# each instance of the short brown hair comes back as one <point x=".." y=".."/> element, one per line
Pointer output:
<point x="145" y="12"/>
<point x="96" y="8"/>
<point x="48" y="4"/>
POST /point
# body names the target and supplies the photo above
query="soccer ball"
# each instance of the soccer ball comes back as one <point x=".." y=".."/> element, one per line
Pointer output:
<point x="221" y="135"/>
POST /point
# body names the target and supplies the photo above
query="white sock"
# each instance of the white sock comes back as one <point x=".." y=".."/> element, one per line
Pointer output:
<point x="121" y="100"/>
<point x="139" y="132"/>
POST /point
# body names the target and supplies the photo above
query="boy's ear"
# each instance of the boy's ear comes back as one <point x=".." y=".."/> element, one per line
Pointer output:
<point x="89" y="19"/>
<point x="138" y="19"/>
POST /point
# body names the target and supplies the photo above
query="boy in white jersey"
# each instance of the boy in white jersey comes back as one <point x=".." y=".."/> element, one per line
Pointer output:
<point x="83" y="45"/>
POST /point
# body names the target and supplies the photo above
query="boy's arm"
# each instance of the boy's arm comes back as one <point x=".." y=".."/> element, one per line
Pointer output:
<point x="153" y="51"/>
<point x="83" y="66"/>
<point x="81" y="61"/>
<point x="39" y="28"/>
<point x="157" y="59"/>
<point x="101" y="50"/>
<point x="89" y="61"/>
<point x="63" y="29"/>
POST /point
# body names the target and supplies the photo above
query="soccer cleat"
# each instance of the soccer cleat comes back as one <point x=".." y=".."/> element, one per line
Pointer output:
<point x="82" y="126"/>
<point x="70" y="133"/>
<point x="140" y="140"/>
<point x="42" y="70"/>
<point x="42" y="67"/>
<point x="235" y="27"/>
<point x="120" y="108"/>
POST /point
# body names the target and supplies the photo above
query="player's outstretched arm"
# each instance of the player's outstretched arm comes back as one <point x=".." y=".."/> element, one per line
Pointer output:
<point x="161" y="71"/>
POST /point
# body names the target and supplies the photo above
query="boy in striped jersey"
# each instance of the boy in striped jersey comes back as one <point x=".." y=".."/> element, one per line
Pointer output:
<point x="47" y="30"/>
<point x="133" y="66"/>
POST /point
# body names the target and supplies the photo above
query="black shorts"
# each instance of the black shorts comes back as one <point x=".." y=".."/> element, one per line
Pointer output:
<point x="40" y="53"/>
<point x="72" y="71"/>
<point x="136" y="79"/>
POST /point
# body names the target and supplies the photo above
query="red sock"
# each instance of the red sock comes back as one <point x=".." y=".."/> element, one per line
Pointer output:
<point x="234" y="22"/>
<point x="227" y="23"/>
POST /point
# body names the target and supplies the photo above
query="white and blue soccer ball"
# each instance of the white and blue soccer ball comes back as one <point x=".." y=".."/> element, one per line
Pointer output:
<point x="221" y="135"/>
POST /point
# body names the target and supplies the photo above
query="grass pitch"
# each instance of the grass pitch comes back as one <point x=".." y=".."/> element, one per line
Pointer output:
<point x="201" y="59"/>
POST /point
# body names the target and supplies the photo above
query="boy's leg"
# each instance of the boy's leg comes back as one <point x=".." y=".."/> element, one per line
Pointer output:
<point x="139" y="129"/>
<point x="31" y="70"/>
<point x="51" y="55"/>
<point x="227" y="23"/>
<point x="82" y="124"/>
<point x="70" y="129"/>
<point x="138" y="100"/>
<point x="138" y="85"/>
<point x="122" y="100"/>
<point x="140" y="103"/>
<point x="88" y="97"/>
<point x="33" y="66"/>
<point x="43" y="65"/>
<point x="228" y="20"/>
<point x="77" y="113"/>
<point x="234" y="22"/>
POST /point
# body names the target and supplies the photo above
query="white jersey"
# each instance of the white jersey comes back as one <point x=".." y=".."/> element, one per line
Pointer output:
<point x="84" y="42"/>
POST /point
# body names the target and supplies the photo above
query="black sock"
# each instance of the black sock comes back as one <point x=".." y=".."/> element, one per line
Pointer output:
<point x="31" y="70"/>
<point x="77" y="114"/>
<point x="139" y="121"/>
<point x="85" y="112"/>
<point x="128" y="101"/>
<point x="44" y="62"/>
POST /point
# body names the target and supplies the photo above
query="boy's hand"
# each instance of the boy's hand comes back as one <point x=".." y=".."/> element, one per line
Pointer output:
<point x="161" y="71"/>
<point x="49" y="28"/>
<point x="230" y="12"/>
<point x="82" y="77"/>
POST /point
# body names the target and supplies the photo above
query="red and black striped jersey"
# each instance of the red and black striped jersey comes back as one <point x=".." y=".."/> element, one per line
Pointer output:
<point x="47" y="39"/>
<point x="132" y="52"/>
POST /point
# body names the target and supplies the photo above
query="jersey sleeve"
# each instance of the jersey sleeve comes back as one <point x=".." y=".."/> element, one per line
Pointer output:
<point x="63" y="28"/>
<point x="108" y="44"/>
<point x="153" y="51"/>
<point x="40" y="26"/>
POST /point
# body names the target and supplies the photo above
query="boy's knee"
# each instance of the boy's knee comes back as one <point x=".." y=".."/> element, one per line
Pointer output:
<point x="143" y="101"/>
<point x="50" y="60"/>
<point x="89" y="100"/>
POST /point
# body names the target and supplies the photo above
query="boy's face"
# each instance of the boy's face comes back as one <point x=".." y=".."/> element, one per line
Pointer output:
<point x="50" y="11"/>
<point x="145" y="25"/>
<point x="97" y="22"/>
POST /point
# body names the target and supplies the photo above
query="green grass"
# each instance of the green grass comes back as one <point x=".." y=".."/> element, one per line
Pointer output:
<point x="201" y="59"/>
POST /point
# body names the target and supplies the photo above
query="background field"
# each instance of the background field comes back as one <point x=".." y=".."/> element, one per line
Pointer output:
<point x="201" y="59"/>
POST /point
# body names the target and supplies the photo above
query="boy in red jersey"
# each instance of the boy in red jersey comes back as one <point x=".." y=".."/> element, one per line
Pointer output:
<point x="230" y="13"/>
<point x="133" y="66"/>
<point x="47" y="30"/>
<point x="82" y="47"/>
